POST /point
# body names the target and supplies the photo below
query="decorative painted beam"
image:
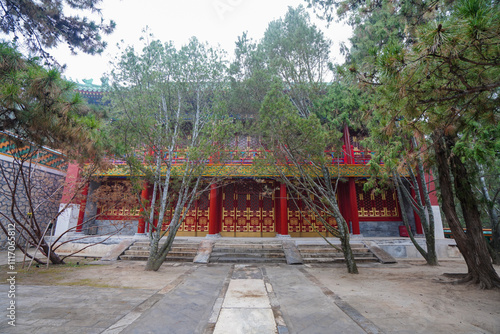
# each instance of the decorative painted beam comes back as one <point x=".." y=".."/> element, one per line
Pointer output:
<point x="212" y="170"/>
<point x="44" y="156"/>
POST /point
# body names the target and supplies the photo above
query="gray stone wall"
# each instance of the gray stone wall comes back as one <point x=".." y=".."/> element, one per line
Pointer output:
<point x="104" y="227"/>
<point x="383" y="228"/>
<point x="44" y="187"/>
<point x="380" y="228"/>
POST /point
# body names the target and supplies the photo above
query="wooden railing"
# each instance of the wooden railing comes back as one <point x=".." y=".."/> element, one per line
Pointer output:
<point x="362" y="157"/>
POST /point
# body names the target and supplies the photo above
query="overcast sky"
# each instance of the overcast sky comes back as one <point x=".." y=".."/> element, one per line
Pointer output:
<point x="218" y="22"/>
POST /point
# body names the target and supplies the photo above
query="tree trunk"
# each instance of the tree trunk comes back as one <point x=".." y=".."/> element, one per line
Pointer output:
<point x="352" y="268"/>
<point x="429" y="226"/>
<point x="158" y="254"/>
<point x="494" y="246"/>
<point x="54" y="257"/>
<point x="472" y="244"/>
<point x="403" y="198"/>
<point x="154" y="261"/>
<point x="430" y="242"/>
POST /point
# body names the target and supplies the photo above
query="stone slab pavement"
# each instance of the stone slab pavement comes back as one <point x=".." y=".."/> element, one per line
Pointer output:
<point x="206" y="299"/>
<point x="68" y="309"/>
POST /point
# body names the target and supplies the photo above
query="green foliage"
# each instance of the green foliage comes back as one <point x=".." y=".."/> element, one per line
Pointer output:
<point x="162" y="89"/>
<point x="43" y="25"/>
<point x="37" y="105"/>
<point x="341" y="105"/>
<point x="281" y="125"/>
<point x="298" y="53"/>
<point x="449" y="80"/>
<point x="422" y="66"/>
<point x="249" y="78"/>
<point x="168" y="108"/>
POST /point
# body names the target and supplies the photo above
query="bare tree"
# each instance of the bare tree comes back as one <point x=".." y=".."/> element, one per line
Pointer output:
<point x="30" y="198"/>
<point x="296" y="149"/>
<point x="421" y="204"/>
<point x="168" y="110"/>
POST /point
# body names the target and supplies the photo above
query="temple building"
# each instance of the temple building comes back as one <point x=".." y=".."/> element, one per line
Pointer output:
<point x="249" y="201"/>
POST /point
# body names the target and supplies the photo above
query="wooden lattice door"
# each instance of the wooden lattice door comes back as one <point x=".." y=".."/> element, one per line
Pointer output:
<point x="196" y="220"/>
<point x="304" y="222"/>
<point x="382" y="206"/>
<point x="247" y="211"/>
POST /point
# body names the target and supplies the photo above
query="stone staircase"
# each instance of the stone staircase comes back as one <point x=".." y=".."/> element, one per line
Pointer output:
<point x="182" y="251"/>
<point x="244" y="251"/>
<point x="254" y="251"/>
<point x="324" y="253"/>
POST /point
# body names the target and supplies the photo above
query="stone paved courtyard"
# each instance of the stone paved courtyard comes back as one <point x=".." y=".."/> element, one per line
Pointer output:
<point x="232" y="298"/>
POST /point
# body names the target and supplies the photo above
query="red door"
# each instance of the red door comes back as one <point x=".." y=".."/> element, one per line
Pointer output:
<point x="248" y="209"/>
<point x="302" y="221"/>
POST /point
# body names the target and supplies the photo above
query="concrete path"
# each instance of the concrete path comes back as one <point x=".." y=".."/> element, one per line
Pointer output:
<point x="206" y="299"/>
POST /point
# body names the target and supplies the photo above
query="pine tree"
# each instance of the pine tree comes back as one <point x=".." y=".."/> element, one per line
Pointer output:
<point x="41" y="25"/>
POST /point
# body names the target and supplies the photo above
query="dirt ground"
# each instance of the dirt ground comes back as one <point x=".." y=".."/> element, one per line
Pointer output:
<point x="408" y="297"/>
<point x="410" y="294"/>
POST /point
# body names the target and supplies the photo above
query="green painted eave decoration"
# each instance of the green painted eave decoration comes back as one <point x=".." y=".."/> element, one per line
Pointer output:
<point x="43" y="156"/>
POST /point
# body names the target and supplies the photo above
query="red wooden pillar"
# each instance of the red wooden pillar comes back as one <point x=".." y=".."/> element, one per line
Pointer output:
<point x="141" y="228"/>
<point x="353" y="206"/>
<point x="283" y="210"/>
<point x="277" y="210"/>
<point x="83" y="205"/>
<point x="213" y="222"/>
<point x="418" y="222"/>
<point x="348" y="151"/>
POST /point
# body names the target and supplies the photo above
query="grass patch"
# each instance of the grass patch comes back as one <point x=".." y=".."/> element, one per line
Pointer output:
<point x="41" y="275"/>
